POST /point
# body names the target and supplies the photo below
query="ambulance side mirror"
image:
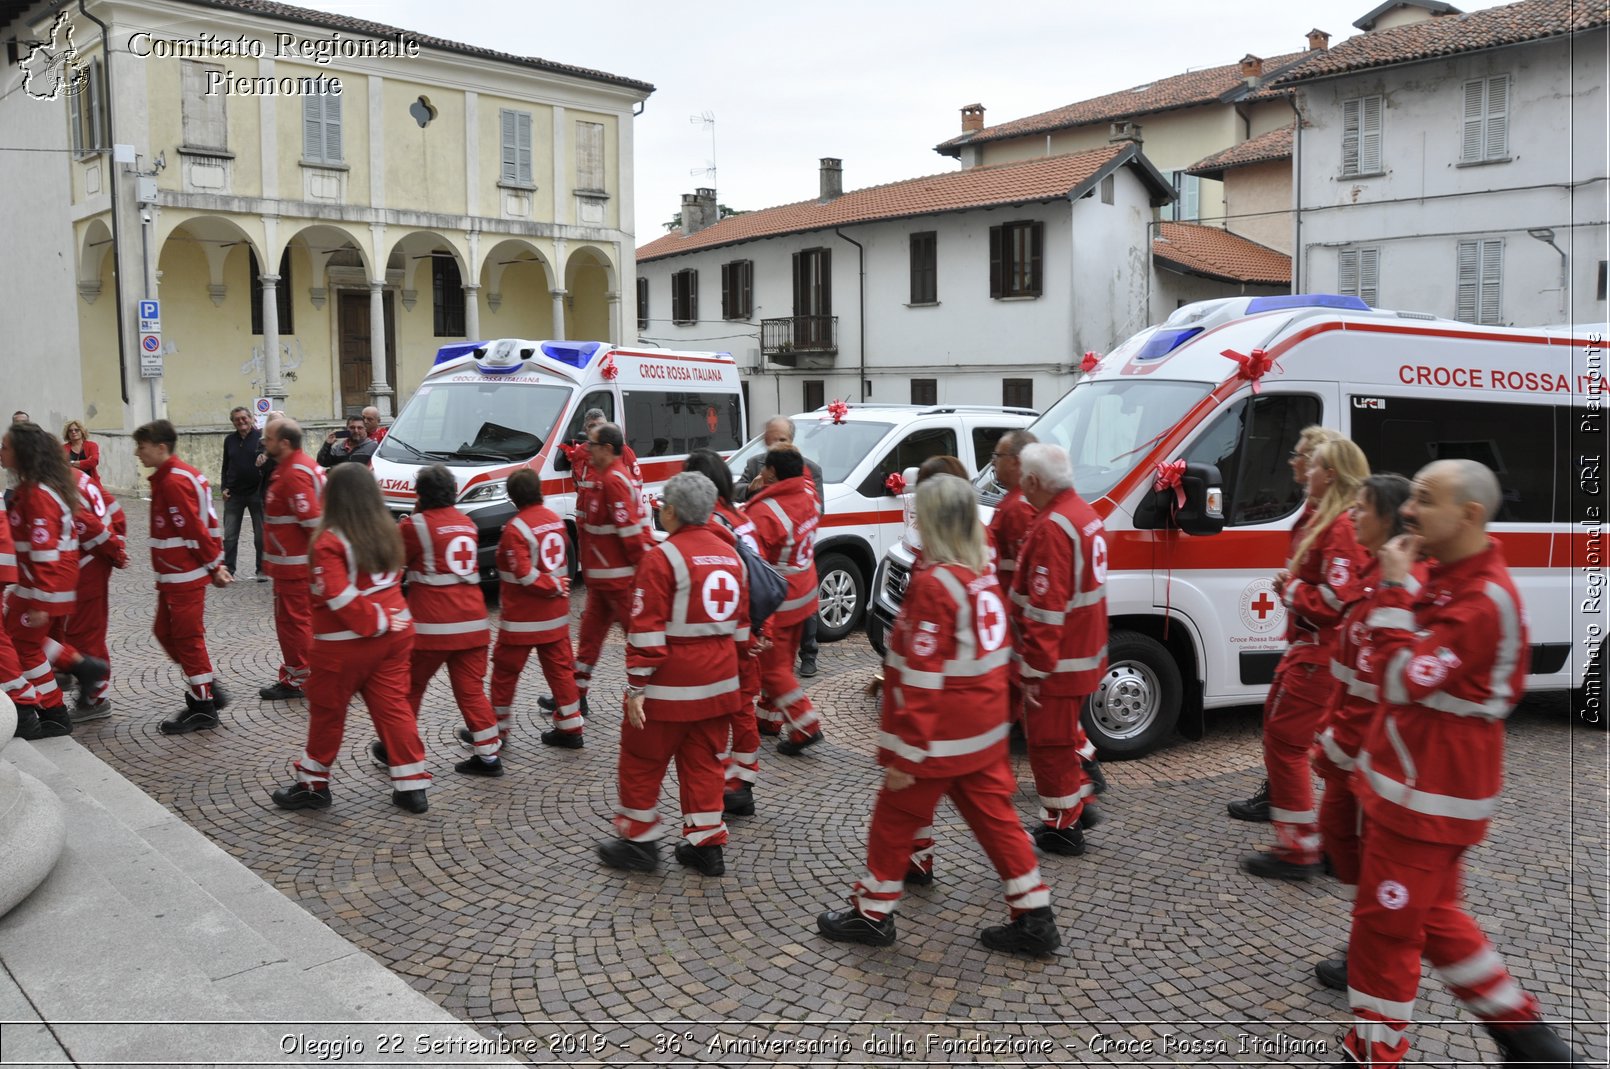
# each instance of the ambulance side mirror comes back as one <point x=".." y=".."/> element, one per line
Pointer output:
<point x="1202" y="513"/>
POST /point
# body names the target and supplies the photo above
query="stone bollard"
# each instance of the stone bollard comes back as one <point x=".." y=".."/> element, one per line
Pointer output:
<point x="31" y="827"/>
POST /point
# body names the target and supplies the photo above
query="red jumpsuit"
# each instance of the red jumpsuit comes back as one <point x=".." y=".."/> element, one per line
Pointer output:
<point x="1452" y="660"/>
<point x="616" y="534"/>
<point x="16" y="687"/>
<point x="690" y="611"/>
<point x="186" y="549"/>
<point x="100" y="527"/>
<point x="534" y="591"/>
<point x="944" y="722"/>
<point x="450" y="627"/>
<point x="291" y="509"/>
<point x="1007" y="529"/>
<point x="1059" y="610"/>
<point x="46" y="541"/>
<point x="785" y="519"/>
<point x="362" y="637"/>
<point x="742" y="758"/>
<point x="1323" y="584"/>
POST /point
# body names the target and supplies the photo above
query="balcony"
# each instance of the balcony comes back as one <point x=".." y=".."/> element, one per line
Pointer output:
<point x="800" y="341"/>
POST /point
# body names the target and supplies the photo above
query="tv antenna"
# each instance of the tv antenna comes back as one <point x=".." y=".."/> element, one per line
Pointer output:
<point x="708" y="120"/>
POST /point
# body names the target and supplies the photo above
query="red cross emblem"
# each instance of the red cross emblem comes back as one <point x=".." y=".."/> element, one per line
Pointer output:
<point x="553" y="551"/>
<point x="461" y="556"/>
<point x="720" y="595"/>
<point x="991" y="621"/>
<point x="1263" y="605"/>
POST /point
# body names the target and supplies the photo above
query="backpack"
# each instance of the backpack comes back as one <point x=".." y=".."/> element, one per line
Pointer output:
<point x="767" y="587"/>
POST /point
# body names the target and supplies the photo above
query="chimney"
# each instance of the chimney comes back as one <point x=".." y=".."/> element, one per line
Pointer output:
<point x="832" y="179"/>
<point x="972" y="118"/>
<point x="1251" y="69"/>
<point x="698" y="210"/>
<point x="1318" y="40"/>
<point x="1124" y="130"/>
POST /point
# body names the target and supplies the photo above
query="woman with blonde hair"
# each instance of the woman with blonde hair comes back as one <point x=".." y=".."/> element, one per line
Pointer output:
<point x="944" y="735"/>
<point x="363" y="639"/>
<point x="1318" y="584"/>
<point x="82" y="453"/>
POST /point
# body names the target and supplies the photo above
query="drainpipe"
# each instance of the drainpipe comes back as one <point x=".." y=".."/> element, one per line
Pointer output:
<point x="860" y="252"/>
<point x="115" y="186"/>
<point x="1297" y="195"/>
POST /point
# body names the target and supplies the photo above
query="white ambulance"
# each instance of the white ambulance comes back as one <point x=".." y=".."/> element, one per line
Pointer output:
<point x="487" y="409"/>
<point x="1195" y="621"/>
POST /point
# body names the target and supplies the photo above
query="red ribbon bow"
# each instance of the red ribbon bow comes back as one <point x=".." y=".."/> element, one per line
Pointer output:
<point x="1091" y="361"/>
<point x="896" y="483"/>
<point x="1169" y="476"/>
<point x="608" y="368"/>
<point x="837" y="411"/>
<point x="1254" y="365"/>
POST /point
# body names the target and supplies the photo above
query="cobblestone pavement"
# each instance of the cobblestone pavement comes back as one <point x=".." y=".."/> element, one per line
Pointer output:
<point x="494" y="905"/>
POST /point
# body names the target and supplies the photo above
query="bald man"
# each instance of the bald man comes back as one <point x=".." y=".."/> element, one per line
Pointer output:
<point x="371" y="423"/>
<point x="1452" y="658"/>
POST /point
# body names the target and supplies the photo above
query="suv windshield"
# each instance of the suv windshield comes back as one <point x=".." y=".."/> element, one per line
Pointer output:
<point x="474" y="423"/>
<point x="1107" y="426"/>
<point x="838" y="448"/>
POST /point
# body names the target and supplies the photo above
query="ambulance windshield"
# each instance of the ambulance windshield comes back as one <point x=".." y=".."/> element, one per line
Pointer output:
<point x="471" y="423"/>
<point x="1109" y="426"/>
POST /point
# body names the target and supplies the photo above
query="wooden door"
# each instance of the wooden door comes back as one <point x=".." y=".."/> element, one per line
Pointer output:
<point x="357" y="368"/>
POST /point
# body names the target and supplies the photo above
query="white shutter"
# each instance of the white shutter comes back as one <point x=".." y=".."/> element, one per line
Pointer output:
<point x="1492" y="279"/>
<point x="332" y="129"/>
<point x="589" y="155"/>
<point x="1369" y="140"/>
<point x="1469" y="282"/>
<point x="203" y="113"/>
<point x="96" y="88"/>
<point x="1350" y="122"/>
<point x="1347" y="273"/>
<point x="1369" y="276"/>
<point x="1191" y="208"/>
<point x="312" y="128"/>
<point x="75" y="119"/>
<point x="1474" y="121"/>
<point x="1497" y="146"/>
<point x="523" y="146"/>
<point x="510" y="169"/>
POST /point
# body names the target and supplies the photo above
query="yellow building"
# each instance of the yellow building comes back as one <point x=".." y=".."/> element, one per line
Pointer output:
<point x="318" y="203"/>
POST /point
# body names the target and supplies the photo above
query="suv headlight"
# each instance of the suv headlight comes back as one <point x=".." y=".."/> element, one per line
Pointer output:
<point x="490" y="494"/>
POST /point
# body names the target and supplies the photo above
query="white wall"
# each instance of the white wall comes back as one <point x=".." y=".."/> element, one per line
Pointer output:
<point x="1426" y="203"/>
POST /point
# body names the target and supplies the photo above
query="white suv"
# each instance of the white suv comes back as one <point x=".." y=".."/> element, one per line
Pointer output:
<point x="864" y="518"/>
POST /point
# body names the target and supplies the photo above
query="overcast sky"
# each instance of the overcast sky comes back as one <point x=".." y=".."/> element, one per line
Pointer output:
<point x="877" y="83"/>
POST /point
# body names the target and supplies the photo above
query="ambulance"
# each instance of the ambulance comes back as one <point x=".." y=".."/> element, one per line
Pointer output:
<point x="1226" y="386"/>
<point x="487" y="409"/>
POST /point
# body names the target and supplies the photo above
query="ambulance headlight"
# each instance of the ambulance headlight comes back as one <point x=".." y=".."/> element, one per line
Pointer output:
<point x="490" y="494"/>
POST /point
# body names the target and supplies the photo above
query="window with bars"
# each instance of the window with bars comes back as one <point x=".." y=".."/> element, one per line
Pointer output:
<point x="642" y="304"/>
<point x="925" y="391"/>
<point x="282" y="294"/>
<point x="1017" y="393"/>
<point x="1481" y="281"/>
<point x="589" y="155"/>
<point x="685" y="296"/>
<point x="447" y="297"/>
<point x="737" y="289"/>
<point x="925" y="267"/>
<point x="321" y="129"/>
<point x="1359" y="274"/>
<point x="202" y="112"/>
<point x="1485" y="120"/>
<point x="1361" y="135"/>
<point x="1016" y="258"/>
<point x="514" y="128"/>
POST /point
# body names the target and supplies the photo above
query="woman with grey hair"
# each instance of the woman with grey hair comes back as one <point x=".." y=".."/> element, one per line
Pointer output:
<point x="944" y="735"/>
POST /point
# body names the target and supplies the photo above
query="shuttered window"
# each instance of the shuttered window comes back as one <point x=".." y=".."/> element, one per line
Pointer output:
<point x="642" y="304"/>
<point x="589" y="155"/>
<point x="1017" y="393"/>
<point x="1481" y="281"/>
<point x="685" y="297"/>
<point x="737" y="289"/>
<point x="925" y="267"/>
<point x="87" y="112"/>
<point x="203" y="112"/>
<point x="1359" y="275"/>
<point x="1485" y="120"/>
<point x="515" y="136"/>
<point x="1016" y="259"/>
<point x="321" y="129"/>
<point x="925" y="391"/>
<point x="1361" y="136"/>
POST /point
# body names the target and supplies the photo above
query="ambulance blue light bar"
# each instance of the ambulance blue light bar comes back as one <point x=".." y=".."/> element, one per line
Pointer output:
<point x="576" y="354"/>
<point x="1305" y="300"/>
<point x="452" y="352"/>
<point x="1165" y="341"/>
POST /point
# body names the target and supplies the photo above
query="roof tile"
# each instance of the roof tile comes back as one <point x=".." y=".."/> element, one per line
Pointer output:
<point x="1219" y="254"/>
<point x="1265" y="148"/>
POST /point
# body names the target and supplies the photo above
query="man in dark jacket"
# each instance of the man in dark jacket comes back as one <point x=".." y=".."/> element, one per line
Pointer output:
<point x="356" y="446"/>
<point x="242" y="483"/>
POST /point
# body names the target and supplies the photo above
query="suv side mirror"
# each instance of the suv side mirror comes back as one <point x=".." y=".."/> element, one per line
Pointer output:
<point x="1202" y="513"/>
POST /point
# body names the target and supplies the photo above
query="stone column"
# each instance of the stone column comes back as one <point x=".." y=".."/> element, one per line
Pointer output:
<point x="558" y="313"/>
<point x="272" y="386"/>
<point x="472" y="312"/>
<point x="379" y="390"/>
<point x="616" y="336"/>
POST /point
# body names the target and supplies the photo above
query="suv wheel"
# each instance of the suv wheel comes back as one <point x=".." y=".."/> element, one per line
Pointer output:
<point x="842" y="592"/>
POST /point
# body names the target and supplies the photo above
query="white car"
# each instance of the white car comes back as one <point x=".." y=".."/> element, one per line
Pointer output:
<point x="864" y="517"/>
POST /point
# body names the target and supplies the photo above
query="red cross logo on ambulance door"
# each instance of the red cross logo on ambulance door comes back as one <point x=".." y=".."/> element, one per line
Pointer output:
<point x="991" y="616"/>
<point x="1263" y="605"/>
<point x="552" y="551"/>
<point x="720" y="595"/>
<point x="461" y="556"/>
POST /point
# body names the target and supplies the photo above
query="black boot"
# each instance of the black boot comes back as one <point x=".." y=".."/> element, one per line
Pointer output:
<point x="27" y="723"/>
<point x="707" y="859"/>
<point x="739" y="802"/>
<point x="90" y="672"/>
<point x="852" y="926"/>
<point x="197" y="716"/>
<point x="1034" y="932"/>
<point x="1533" y="1043"/>
<point x="1097" y="778"/>
<point x="564" y="740"/>
<point x="1090" y="817"/>
<point x="54" y="722"/>
<point x="629" y="855"/>
<point x="301" y="796"/>
<point x="279" y="692"/>
<point x="378" y="755"/>
<point x="1254" y="809"/>
<point x="918" y="875"/>
<point x="479" y="766"/>
<point x="789" y="748"/>
<point x="412" y="801"/>
<point x="1332" y="973"/>
<point x="1068" y="842"/>
<point x="1268" y="864"/>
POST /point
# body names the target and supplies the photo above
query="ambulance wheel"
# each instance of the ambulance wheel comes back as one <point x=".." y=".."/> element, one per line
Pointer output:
<point x="842" y="592"/>
<point x="1137" y="703"/>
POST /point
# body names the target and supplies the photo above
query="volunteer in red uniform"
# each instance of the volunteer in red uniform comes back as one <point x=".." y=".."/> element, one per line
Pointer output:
<point x="944" y="729"/>
<point x="363" y="634"/>
<point x="441" y="551"/>
<point x="46" y="547"/>
<point x="1009" y="526"/>
<point x="290" y="515"/>
<point x="785" y="518"/>
<point x="1059" y="610"/>
<point x="1256" y="808"/>
<point x="534" y="595"/>
<point x="78" y="641"/>
<point x="187" y="553"/>
<point x="1452" y="660"/>
<point x="690" y="609"/>
<point x="1355" y="668"/>
<point x="1319" y="585"/>
<point x="616" y="536"/>
<point x="741" y="757"/>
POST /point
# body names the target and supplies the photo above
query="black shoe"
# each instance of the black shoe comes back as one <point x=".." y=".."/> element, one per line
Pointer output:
<point x="300" y="796"/>
<point x="413" y="801"/>
<point x="377" y="754"/>
<point x="27" y="723"/>
<point x="1090" y="818"/>
<point x="565" y="740"/>
<point x="198" y="716"/>
<point x="789" y="748"/>
<point x="55" y="722"/>
<point x="851" y="926"/>
<point x="1034" y="932"/>
<point x="1068" y="842"/>
<point x="629" y="855"/>
<point x="279" y="692"/>
<point x="1254" y="809"/>
<point x="479" y="766"/>
<point x="220" y="698"/>
<point x="739" y="803"/>
<point x="1332" y="973"/>
<point x="917" y="876"/>
<point x="90" y="672"/>
<point x="261" y="578"/>
<point x="1272" y="866"/>
<point x="807" y="668"/>
<point x="707" y="859"/>
<point x="1097" y="778"/>
<point x="1534" y="1043"/>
